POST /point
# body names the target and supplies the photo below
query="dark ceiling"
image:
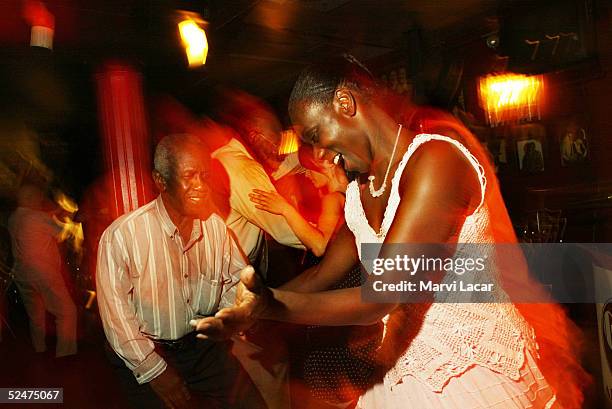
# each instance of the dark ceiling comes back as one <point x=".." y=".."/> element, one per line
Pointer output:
<point x="257" y="45"/>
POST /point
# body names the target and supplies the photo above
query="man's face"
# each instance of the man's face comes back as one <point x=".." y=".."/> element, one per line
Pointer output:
<point x="265" y="137"/>
<point x="187" y="192"/>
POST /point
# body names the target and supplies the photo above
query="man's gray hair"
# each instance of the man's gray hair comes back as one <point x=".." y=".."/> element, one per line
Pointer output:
<point x="164" y="161"/>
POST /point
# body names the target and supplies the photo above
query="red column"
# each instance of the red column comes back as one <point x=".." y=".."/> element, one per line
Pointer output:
<point x="126" y="143"/>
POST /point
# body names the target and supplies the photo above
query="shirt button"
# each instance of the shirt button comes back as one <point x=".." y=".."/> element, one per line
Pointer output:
<point x="188" y="300"/>
<point x="186" y="276"/>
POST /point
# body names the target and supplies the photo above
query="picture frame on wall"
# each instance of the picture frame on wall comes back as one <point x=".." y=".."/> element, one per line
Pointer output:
<point x="530" y="155"/>
<point x="530" y="142"/>
<point x="573" y="142"/>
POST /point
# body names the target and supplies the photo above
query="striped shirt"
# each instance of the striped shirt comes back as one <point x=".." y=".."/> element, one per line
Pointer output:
<point x="150" y="284"/>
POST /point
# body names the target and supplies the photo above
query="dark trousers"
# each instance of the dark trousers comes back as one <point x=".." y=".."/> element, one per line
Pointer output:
<point x="214" y="377"/>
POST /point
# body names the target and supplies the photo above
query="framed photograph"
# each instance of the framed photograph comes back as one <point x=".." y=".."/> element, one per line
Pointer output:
<point x="530" y="140"/>
<point x="573" y="143"/>
<point x="530" y="156"/>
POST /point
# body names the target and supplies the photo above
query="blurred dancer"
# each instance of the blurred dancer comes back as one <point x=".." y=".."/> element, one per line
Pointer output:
<point x="330" y="182"/>
<point x="336" y="363"/>
<point x="428" y="187"/>
<point x="38" y="266"/>
<point x="248" y="159"/>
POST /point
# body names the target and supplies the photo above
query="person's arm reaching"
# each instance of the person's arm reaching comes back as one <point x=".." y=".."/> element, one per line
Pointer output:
<point x="314" y="238"/>
<point x="255" y="301"/>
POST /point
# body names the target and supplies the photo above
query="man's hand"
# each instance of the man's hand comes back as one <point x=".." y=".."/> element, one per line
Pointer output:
<point x="252" y="297"/>
<point x="170" y="388"/>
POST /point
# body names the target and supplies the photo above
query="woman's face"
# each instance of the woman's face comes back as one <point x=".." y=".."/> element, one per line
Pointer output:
<point x="335" y="137"/>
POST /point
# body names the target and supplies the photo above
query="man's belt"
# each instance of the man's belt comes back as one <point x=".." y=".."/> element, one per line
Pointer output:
<point x="176" y="344"/>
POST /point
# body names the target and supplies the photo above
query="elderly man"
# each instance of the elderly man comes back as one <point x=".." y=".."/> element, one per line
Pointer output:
<point x="160" y="267"/>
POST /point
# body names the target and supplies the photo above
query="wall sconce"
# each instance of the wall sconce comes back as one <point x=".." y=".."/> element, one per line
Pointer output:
<point x="42" y="23"/>
<point x="508" y="98"/>
<point x="193" y="38"/>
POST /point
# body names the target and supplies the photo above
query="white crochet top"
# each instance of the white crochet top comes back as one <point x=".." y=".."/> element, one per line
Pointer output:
<point x="453" y="336"/>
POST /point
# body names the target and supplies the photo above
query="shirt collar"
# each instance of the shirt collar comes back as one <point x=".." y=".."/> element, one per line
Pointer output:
<point x="166" y="222"/>
<point x="169" y="227"/>
<point x="196" y="233"/>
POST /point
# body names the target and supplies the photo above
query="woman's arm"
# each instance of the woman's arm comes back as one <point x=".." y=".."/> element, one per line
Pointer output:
<point x="332" y="215"/>
<point x="334" y="308"/>
<point x="340" y="257"/>
<point x="255" y="301"/>
<point x="314" y="238"/>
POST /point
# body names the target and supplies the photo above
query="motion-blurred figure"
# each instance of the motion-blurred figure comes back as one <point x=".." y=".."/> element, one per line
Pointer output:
<point x="330" y="182"/>
<point x="248" y="158"/>
<point x="38" y="267"/>
<point x="248" y="163"/>
<point x="335" y="363"/>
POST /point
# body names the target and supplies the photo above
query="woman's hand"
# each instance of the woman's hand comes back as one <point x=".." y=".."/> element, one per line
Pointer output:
<point x="270" y="201"/>
<point x="252" y="299"/>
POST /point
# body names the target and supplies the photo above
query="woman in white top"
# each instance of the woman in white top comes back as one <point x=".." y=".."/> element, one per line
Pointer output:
<point x="430" y="186"/>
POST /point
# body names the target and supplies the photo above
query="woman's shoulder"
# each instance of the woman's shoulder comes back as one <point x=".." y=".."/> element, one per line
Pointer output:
<point x="439" y="168"/>
<point x="335" y="199"/>
<point x="442" y="134"/>
<point x="434" y="153"/>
